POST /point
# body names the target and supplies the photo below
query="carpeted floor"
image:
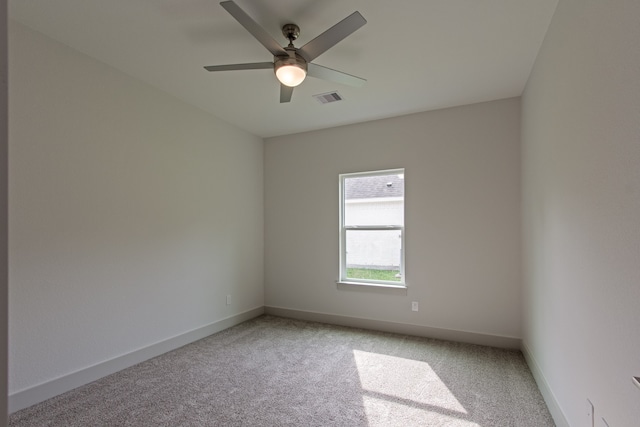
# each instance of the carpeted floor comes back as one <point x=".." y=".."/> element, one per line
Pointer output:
<point x="272" y="371"/>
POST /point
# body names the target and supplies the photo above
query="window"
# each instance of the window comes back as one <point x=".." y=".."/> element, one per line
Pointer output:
<point x="372" y="228"/>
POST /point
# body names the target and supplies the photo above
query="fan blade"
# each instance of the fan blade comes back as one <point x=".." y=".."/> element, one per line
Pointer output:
<point x="285" y="93"/>
<point x="331" y="37"/>
<point x="324" y="73"/>
<point x="254" y="28"/>
<point x="232" y="67"/>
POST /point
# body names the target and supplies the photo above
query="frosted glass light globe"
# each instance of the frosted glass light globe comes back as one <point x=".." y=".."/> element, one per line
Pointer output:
<point x="291" y="75"/>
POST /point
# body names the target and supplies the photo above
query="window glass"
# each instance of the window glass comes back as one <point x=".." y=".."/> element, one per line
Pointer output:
<point x="372" y="227"/>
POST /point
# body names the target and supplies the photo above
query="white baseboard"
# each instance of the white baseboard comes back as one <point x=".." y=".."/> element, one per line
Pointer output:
<point x="49" y="389"/>
<point x="400" y="328"/>
<point x="545" y="390"/>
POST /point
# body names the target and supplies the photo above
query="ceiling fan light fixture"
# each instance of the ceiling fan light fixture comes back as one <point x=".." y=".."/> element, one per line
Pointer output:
<point x="291" y="71"/>
<point x="290" y="64"/>
<point x="290" y="75"/>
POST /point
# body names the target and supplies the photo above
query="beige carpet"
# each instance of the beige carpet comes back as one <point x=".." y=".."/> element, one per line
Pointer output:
<point x="273" y="371"/>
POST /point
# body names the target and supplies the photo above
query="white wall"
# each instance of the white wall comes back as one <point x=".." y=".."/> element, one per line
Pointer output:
<point x="462" y="170"/>
<point x="132" y="214"/>
<point x="3" y="215"/>
<point x="581" y="160"/>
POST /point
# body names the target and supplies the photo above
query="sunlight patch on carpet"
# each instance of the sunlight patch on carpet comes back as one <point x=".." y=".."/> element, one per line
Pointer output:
<point x="392" y="383"/>
<point x="385" y="413"/>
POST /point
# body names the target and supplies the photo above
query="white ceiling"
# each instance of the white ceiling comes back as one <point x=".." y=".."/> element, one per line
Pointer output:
<point x="417" y="55"/>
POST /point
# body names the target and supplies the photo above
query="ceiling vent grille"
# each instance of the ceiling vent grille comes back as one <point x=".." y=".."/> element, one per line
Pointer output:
<point x="329" y="97"/>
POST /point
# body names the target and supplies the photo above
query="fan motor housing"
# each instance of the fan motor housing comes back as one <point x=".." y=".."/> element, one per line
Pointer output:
<point x="295" y="60"/>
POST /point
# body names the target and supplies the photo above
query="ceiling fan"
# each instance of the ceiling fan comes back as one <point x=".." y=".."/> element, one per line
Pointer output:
<point x="292" y="64"/>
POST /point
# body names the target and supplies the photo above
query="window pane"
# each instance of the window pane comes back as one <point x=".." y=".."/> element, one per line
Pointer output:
<point x="374" y="200"/>
<point x="374" y="254"/>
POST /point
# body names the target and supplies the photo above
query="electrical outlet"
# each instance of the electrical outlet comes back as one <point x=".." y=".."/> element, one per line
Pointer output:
<point x="228" y="299"/>
<point x="414" y="306"/>
<point x="589" y="414"/>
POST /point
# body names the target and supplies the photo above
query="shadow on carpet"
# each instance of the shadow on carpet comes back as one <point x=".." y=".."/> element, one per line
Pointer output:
<point x="273" y="371"/>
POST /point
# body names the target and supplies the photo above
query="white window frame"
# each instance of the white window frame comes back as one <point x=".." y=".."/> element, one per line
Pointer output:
<point x="343" y="234"/>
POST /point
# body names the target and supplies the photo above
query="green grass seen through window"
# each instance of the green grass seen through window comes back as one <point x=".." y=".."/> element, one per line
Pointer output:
<point x="370" y="274"/>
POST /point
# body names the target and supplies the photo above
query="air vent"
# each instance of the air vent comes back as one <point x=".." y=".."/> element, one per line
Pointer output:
<point x="326" y="98"/>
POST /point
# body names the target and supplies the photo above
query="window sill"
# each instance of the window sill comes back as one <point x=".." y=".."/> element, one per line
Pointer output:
<point x="380" y="287"/>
